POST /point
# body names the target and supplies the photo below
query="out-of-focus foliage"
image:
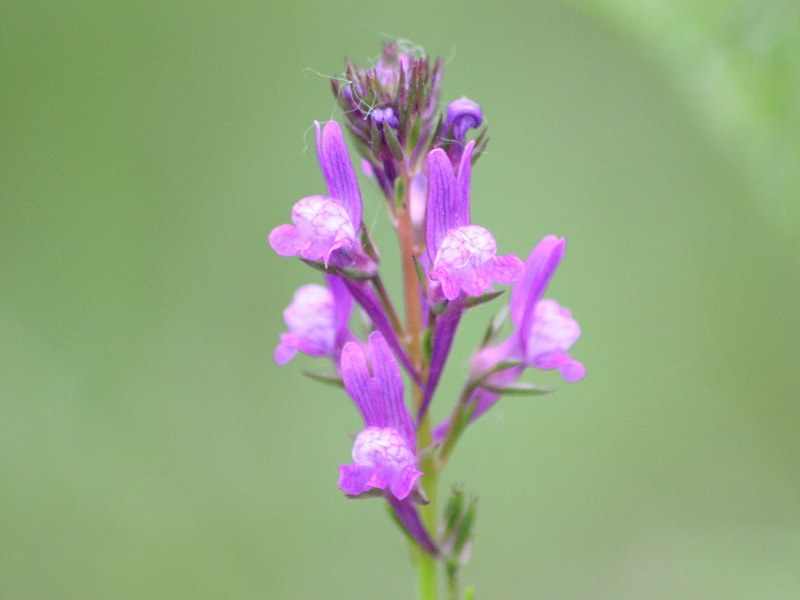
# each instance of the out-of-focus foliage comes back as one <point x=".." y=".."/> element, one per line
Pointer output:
<point x="738" y="63"/>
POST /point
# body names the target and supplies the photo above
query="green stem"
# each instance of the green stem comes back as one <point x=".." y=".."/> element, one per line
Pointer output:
<point x="452" y="582"/>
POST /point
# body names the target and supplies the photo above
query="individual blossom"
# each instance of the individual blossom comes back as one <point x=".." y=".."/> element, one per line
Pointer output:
<point x="464" y="256"/>
<point x="462" y="115"/>
<point x="317" y="321"/>
<point x="384" y="453"/>
<point x="326" y="227"/>
<point x="543" y="333"/>
<point x="543" y="330"/>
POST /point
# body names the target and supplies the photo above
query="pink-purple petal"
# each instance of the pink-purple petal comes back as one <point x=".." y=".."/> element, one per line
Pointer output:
<point x="540" y="266"/>
<point x="507" y="269"/>
<point x="338" y="171"/>
<point x="286" y="240"/>
<point x="287" y="349"/>
<point x="444" y="199"/>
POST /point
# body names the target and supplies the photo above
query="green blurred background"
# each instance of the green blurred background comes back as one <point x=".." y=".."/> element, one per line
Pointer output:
<point x="150" y="447"/>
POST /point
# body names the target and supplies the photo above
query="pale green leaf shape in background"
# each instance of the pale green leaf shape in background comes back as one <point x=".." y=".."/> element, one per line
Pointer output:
<point x="738" y="64"/>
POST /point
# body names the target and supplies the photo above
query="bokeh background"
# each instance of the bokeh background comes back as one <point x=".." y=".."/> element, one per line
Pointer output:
<point x="150" y="447"/>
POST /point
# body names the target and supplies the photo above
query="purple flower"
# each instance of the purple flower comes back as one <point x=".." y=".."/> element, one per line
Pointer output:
<point x="325" y="227"/>
<point x="543" y="332"/>
<point x="462" y="114"/>
<point x="317" y="321"/>
<point x="464" y="256"/>
<point x="384" y="452"/>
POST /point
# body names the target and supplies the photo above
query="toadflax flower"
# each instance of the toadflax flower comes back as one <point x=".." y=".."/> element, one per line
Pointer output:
<point x="317" y="321"/>
<point x="543" y="332"/>
<point x="326" y="227"/>
<point x="384" y="453"/>
<point x="464" y="256"/>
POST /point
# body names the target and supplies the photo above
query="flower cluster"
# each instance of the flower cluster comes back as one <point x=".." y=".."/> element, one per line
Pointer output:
<point x="421" y="160"/>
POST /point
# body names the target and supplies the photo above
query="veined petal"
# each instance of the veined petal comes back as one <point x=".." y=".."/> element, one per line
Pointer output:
<point x="381" y="459"/>
<point x="507" y="269"/>
<point x="391" y="409"/>
<point x="379" y="397"/>
<point x="539" y="269"/>
<point x="356" y="376"/>
<point x="340" y="177"/>
<point x="323" y="226"/>
<point x="286" y="240"/>
<point x="444" y="200"/>
<point x="464" y="176"/>
<point x="466" y="261"/>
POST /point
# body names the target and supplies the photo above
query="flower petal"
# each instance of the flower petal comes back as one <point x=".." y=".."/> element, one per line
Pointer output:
<point x="444" y="200"/>
<point x="391" y="409"/>
<point x="539" y="269"/>
<point x="340" y="177"/>
<point x="286" y="240"/>
<point x="507" y="269"/>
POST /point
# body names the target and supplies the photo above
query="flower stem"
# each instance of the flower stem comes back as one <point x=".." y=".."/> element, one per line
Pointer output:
<point x="425" y="563"/>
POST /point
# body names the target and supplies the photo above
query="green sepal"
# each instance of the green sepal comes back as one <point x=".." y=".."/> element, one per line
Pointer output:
<point x="427" y="343"/>
<point x="371" y="493"/>
<point x="495" y="326"/>
<point x="356" y="274"/>
<point x="473" y="301"/>
<point x="469" y="593"/>
<point x="420" y="273"/>
<point x="518" y="389"/>
<point x="413" y="136"/>
<point x="426" y="452"/>
<point x="399" y="192"/>
<point x="440" y="307"/>
<point x="319" y="266"/>
<point x="369" y="245"/>
<point x="480" y="146"/>
<point x="375" y="139"/>
<point x="393" y="142"/>
<point x="325" y="378"/>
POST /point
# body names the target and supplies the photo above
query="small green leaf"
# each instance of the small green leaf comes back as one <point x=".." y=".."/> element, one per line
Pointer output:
<point x="440" y="307"/>
<point x="519" y="389"/>
<point x="427" y="343"/>
<point x="393" y="142"/>
<point x="325" y="378"/>
<point x="420" y="273"/>
<point x="495" y="326"/>
<point x="473" y="301"/>
<point x="399" y="192"/>
<point x="426" y="452"/>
